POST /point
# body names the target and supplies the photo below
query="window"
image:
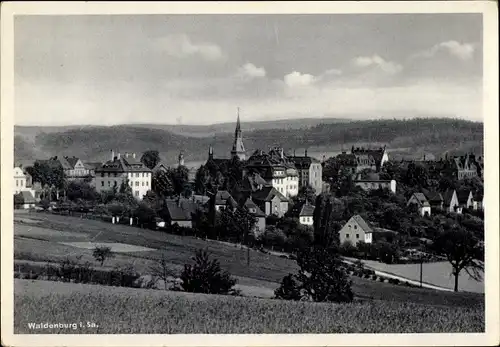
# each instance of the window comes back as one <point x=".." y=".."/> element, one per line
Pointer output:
<point x="346" y="236"/>
<point x="17" y="183"/>
<point x="136" y="193"/>
<point x="137" y="183"/>
<point x="102" y="184"/>
<point x="355" y="227"/>
<point x="357" y="236"/>
<point x="147" y="183"/>
<point x="131" y="183"/>
<point x="21" y="183"/>
<point x="114" y="183"/>
<point x="350" y="226"/>
<point x="137" y="174"/>
<point x="109" y="183"/>
<point x="102" y="174"/>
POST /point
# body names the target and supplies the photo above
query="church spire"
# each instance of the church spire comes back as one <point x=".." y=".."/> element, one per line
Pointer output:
<point x="238" y="148"/>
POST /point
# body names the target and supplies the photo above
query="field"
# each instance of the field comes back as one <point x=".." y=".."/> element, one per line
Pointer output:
<point x="141" y="311"/>
<point x="39" y="238"/>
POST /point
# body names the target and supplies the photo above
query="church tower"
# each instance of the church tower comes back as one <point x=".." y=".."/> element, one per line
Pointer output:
<point x="238" y="148"/>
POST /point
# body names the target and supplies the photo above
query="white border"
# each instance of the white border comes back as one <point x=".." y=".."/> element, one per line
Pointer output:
<point x="490" y="109"/>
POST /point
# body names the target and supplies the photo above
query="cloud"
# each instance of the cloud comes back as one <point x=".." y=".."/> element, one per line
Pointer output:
<point x="297" y="79"/>
<point x="181" y="46"/>
<point x="388" y="67"/>
<point x="461" y="51"/>
<point x="250" y="71"/>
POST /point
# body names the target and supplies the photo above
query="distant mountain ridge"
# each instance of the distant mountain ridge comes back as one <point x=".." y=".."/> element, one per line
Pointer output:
<point x="93" y="143"/>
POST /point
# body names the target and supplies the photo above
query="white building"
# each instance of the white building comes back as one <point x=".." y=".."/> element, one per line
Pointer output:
<point x="306" y="215"/>
<point x="123" y="168"/>
<point x="423" y="205"/>
<point x="19" y="180"/>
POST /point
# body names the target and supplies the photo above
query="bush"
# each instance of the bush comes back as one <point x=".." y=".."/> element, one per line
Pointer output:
<point x="321" y="278"/>
<point x="206" y="276"/>
<point x="102" y="253"/>
<point x="374" y="277"/>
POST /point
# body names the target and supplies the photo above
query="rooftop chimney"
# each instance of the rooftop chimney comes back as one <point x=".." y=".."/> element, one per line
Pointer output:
<point x="133" y="155"/>
<point x="112" y="155"/>
<point x="126" y="154"/>
<point x="118" y="156"/>
<point x="305" y="153"/>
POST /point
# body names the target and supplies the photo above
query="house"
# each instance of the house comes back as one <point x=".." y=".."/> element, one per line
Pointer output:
<point x="450" y="201"/>
<point x="73" y="167"/>
<point x="370" y="158"/>
<point x="306" y="214"/>
<point x="180" y="211"/>
<point x="91" y="167"/>
<point x="435" y="199"/>
<point x="25" y="199"/>
<point x="253" y="209"/>
<point x="419" y="199"/>
<point x="372" y="182"/>
<point x="224" y="200"/>
<point x="347" y="162"/>
<point x="271" y="201"/>
<point x="20" y="180"/>
<point x="465" y="198"/>
<point x="276" y="169"/>
<point x="160" y="166"/>
<point x="466" y="166"/>
<point x="357" y="229"/>
<point x="253" y="181"/>
<point x="121" y="169"/>
<point x="309" y="170"/>
<point x="478" y="201"/>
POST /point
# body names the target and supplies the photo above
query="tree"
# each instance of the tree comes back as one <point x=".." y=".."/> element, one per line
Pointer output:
<point x="45" y="203"/>
<point x="307" y="194"/>
<point x="179" y="178"/>
<point x="206" y="276"/>
<point x="202" y="180"/>
<point x="49" y="172"/>
<point x="162" y="183"/>
<point x="145" y="214"/>
<point x="18" y="200"/>
<point x="321" y="278"/>
<point x="326" y="220"/>
<point x="102" y="253"/>
<point x="463" y="251"/>
<point x="81" y="190"/>
<point x="161" y="269"/>
<point x="150" y="158"/>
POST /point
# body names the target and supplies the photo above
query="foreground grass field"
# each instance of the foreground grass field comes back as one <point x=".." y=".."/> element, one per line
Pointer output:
<point x="38" y="240"/>
<point x="138" y="311"/>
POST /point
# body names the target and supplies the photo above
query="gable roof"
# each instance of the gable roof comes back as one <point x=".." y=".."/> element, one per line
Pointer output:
<point x="181" y="210"/>
<point x="361" y="222"/>
<point x="463" y="195"/>
<point x="224" y="198"/>
<point x="27" y="196"/>
<point x="433" y="196"/>
<point x="92" y="165"/>
<point x="249" y="204"/>
<point x="268" y="193"/>
<point x="123" y="165"/>
<point x="160" y="165"/>
<point x="307" y="210"/>
<point x="421" y="199"/>
<point x="72" y="161"/>
<point x="448" y="195"/>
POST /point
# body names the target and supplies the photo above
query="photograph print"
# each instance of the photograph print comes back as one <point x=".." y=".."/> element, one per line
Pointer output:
<point x="249" y="172"/>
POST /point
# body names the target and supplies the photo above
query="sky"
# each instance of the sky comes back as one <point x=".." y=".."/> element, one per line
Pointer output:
<point x="197" y="69"/>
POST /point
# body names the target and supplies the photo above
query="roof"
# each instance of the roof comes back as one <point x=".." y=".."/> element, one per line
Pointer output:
<point x="123" y="165"/>
<point x="478" y="196"/>
<point x="72" y="161"/>
<point x="433" y="196"/>
<point x="249" y="204"/>
<point x="361" y="222"/>
<point x="181" y="210"/>
<point x="463" y="195"/>
<point x="159" y="165"/>
<point x="307" y="210"/>
<point x="92" y="165"/>
<point x="224" y="198"/>
<point x="303" y="163"/>
<point x="447" y="196"/>
<point x="422" y="200"/>
<point x="27" y="196"/>
<point x="268" y="193"/>
<point x="383" y="230"/>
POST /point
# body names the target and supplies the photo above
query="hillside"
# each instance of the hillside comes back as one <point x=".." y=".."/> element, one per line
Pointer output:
<point x="408" y="138"/>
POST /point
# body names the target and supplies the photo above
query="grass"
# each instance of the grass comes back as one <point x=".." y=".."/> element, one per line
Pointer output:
<point x="265" y="270"/>
<point x="139" y="311"/>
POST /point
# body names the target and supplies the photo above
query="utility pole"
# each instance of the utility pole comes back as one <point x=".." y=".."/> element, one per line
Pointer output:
<point x="421" y="268"/>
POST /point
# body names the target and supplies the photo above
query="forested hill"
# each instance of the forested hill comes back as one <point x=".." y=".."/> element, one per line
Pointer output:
<point x="413" y="136"/>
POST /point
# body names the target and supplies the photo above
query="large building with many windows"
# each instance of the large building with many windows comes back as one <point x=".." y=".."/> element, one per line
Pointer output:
<point x="309" y="170"/>
<point x="123" y="168"/>
<point x="276" y="169"/>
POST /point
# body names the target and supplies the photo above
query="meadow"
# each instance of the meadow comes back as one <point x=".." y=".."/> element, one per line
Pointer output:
<point x="141" y="311"/>
<point x="39" y="239"/>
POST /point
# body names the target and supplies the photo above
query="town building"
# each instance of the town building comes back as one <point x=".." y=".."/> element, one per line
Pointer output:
<point x="73" y="167"/>
<point x="224" y="200"/>
<point x="450" y="201"/>
<point x="24" y="200"/>
<point x="372" y="181"/>
<point x="253" y="209"/>
<point x="276" y="169"/>
<point x="309" y="170"/>
<point x="357" y="229"/>
<point x="435" y="199"/>
<point x="20" y="180"/>
<point x="423" y="205"/>
<point x="180" y="211"/>
<point x="466" y="167"/>
<point x="270" y="201"/>
<point x="370" y="158"/>
<point x="121" y="169"/>
<point x="306" y="215"/>
<point x="478" y="202"/>
<point x="91" y="166"/>
<point x="465" y="198"/>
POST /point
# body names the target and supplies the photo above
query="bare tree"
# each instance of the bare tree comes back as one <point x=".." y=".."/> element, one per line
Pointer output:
<point x="160" y="269"/>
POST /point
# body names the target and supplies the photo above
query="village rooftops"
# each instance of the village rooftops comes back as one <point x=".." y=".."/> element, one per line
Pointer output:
<point x="267" y="194"/>
<point x="421" y="199"/>
<point x="121" y="164"/>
